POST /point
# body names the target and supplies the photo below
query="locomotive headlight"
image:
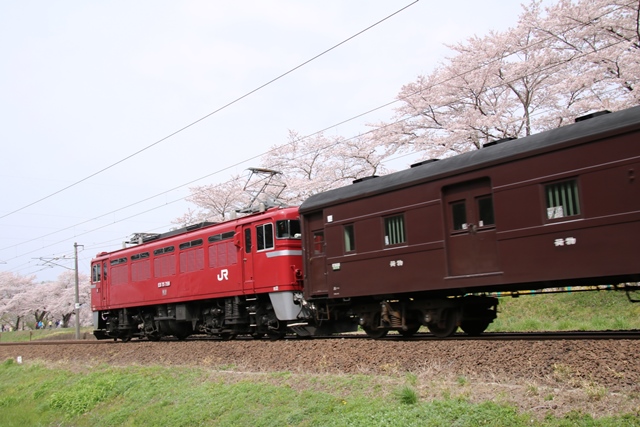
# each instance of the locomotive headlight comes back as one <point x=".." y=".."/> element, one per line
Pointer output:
<point x="427" y="318"/>
<point x="361" y="321"/>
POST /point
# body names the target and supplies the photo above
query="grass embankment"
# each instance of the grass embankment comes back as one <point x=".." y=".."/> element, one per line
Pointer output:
<point x="578" y="311"/>
<point x="47" y="334"/>
<point x="37" y="395"/>
<point x="34" y="395"/>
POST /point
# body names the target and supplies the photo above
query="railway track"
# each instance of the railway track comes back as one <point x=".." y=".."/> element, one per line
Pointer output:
<point x="490" y="336"/>
<point x="537" y="336"/>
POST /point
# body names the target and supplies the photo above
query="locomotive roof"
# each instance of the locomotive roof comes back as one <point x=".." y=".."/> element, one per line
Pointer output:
<point x="601" y="125"/>
<point x="203" y="226"/>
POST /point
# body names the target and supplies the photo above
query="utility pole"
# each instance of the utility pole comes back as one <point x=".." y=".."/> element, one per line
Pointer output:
<point x="77" y="306"/>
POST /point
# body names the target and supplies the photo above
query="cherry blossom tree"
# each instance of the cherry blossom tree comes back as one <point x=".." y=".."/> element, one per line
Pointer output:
<point x="318" y="163"/>
<point x="60" y="300"/>
<point x="307" y="166"/>
<point x="214" y="202"/>
<point x="12" y="287"/>
<point x="21" y="298"/>
<point x="557" y="63"/>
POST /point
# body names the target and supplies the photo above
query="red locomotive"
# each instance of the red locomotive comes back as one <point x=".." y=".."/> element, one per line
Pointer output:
<point x="236" y="277"/>
<point x="420" y="247"/>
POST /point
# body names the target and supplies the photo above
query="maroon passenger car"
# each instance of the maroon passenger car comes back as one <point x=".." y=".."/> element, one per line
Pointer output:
<point x="236" y="277"/>
<point x="408" y="249"/>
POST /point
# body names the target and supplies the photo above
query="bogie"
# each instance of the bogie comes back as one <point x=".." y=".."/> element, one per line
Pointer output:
<point x="224" y="319"/>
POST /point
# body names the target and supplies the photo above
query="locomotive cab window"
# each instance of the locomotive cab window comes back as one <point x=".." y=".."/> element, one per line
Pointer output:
<point x="264" y="236"/>
<point x="562" y="199"/>
<point x="288" y="229"/>
<point x="95" y="273"/>
<point x="394" y="232"/>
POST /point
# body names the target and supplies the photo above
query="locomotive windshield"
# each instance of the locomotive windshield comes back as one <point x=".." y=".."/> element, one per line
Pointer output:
<point x="288" y="229"/>
<point x="95" y="272"/>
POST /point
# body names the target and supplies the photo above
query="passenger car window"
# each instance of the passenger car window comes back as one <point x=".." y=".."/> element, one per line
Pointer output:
<point x="562" y="199"/>
<point x="394" y="230"/>
<point x="349" y="238"/>
<point x="485" y="211"/>
<point x="318" y="242"/>
<point x="459" y="215"/>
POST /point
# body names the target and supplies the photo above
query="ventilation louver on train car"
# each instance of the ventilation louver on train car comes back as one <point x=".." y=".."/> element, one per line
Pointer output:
<point x="592" y="115"/>
<point x="366" y="178"/>
<point x="424" y="162"/>
<point x="498" y="141"/>
<point x="139" y="238"/>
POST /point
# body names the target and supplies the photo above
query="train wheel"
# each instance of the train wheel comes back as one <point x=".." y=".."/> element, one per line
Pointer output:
<point x="375" y="332"/>
<point x="446" y="326"/>
<point x="411" y="330"/>
<point x="276" y="335"/>
<point x="227" y="336"/>
<point x="474" y="328"/>
<point x="257" y="335"/>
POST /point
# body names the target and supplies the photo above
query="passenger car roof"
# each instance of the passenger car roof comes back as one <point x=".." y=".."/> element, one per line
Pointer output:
<point x="596" y="127"/>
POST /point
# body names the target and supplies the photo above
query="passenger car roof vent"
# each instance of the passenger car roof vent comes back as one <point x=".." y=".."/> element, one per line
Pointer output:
<point x="498" y="141"/>
<point x="366" y="178"/>
<point x="592" y="115"/>
<point x="424" y="162"/>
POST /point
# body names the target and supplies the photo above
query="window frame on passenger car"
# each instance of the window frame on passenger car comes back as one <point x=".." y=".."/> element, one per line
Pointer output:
<point x="318" y="243"/>
<point x="394" y="230"/>
<point x="485" y="211"/>
<point x="459" y="220"/>
<point x="566" y="199"/>
<point x="348" y="230"/>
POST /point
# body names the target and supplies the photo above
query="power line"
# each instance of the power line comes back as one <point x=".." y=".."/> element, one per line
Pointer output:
<point x="550" y="66"/>
<point x="208" y="115"/>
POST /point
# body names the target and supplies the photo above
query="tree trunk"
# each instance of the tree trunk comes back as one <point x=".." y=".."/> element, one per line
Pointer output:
<point x="65" y="319"/>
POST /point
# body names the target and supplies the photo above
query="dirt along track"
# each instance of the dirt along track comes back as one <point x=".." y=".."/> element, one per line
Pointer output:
<point x="594" y="376"/>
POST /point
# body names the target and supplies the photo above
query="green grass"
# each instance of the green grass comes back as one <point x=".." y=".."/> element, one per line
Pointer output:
<point x="39" y="334"/>
<point x="580" y="311"/>
<point x="577" y="311"/>
<point x="34" y="395"/>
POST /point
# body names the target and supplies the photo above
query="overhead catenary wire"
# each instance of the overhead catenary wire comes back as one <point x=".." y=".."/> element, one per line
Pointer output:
<point x="244" y="161"/>
<point x="207" y="115"/>
<point x="254" y="157"/>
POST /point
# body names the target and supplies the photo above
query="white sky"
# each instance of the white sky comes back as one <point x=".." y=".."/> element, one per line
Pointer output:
<point x="85" y="84"/>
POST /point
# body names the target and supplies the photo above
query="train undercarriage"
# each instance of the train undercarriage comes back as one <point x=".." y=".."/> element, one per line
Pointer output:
<point x="256" y="316"/>
<point x="442" y="316"/>
<point x="225" y="318"/>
